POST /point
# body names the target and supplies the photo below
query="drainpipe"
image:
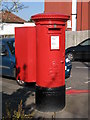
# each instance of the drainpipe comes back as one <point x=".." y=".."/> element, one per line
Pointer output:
<point x="74" y="15"/>
<point x="81" y="16"/>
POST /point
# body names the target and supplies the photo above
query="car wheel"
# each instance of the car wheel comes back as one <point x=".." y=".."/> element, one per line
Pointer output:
<point x="21" y="82"/>
<point x="70" y="56"/>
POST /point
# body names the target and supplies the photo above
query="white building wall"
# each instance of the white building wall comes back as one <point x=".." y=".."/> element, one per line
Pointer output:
<point x="9" y="28"/>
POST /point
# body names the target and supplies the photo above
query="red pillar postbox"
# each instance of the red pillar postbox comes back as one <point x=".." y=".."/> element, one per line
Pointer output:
<point x="50" y="47"/>
<point x="25" y="54"/>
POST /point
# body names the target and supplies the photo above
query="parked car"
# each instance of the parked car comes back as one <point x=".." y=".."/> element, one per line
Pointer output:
<point x="7" y="52"/>
<point x="8" y="65"/>
<point x="68" y="67"/>
<point x="79" y="52"/>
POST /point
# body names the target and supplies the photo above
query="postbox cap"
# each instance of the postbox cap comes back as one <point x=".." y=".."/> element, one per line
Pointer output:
<point x="51" y="16"/>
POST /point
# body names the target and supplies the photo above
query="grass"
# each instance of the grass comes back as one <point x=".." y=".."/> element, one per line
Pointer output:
<point x="17" y="115"/>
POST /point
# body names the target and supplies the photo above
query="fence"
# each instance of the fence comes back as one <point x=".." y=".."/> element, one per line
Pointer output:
<point x="75" y="37"/>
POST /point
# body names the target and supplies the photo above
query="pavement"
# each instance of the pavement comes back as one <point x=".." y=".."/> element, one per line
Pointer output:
<point x="77" y="95"/>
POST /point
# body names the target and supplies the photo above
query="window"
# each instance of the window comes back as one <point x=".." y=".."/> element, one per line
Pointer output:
<point x="85" y="43"/>
<point x="11" y="45"/>
<point x="2" y="49"/>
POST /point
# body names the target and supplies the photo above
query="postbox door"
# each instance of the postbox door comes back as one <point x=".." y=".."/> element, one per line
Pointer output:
<point x="57" y="59"/>
<point x="50" y="59"/>
<point x="25" y="52"/>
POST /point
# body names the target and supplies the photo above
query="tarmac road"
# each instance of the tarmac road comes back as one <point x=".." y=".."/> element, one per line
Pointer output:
<point x="77" y="97"/>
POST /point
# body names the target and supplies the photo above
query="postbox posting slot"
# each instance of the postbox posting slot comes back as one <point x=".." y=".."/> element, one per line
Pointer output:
<point x="54" y="30"/>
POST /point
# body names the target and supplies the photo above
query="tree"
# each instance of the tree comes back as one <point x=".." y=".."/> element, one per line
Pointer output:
<point x="13" y="6"/>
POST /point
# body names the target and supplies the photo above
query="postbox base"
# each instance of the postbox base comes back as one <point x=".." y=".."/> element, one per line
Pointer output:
<point x="50" y="99"/>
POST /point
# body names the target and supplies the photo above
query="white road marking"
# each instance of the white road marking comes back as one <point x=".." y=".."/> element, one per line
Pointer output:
<point x="87" y="62"/>
<point x="81" y="67"/>
<point x="80" y="62"/>
<point x="87" y="82"/>
<point x="68" y="88"/>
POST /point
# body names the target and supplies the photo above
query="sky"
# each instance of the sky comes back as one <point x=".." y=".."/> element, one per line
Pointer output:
<point x="32" y="8"/>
